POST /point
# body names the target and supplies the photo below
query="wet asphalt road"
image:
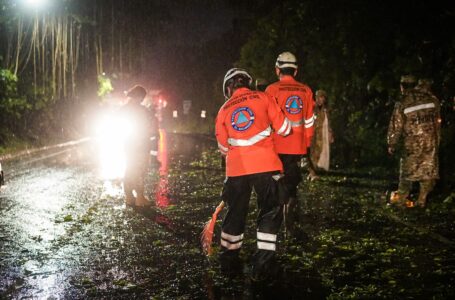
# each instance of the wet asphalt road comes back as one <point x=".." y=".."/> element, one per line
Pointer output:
<point x="65" y="233"/>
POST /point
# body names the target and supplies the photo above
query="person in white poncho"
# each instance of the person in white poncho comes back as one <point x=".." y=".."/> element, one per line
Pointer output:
<point x="322" y="138"/>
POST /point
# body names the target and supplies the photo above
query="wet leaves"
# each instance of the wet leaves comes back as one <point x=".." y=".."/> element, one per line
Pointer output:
<point x="124" y="284"/>
<point x="68" y="218"/>
<point x="381" y="243"/>
<point x="37" y="238"/>
<point x="348" y="244"/>
<point x="86" y="281"/>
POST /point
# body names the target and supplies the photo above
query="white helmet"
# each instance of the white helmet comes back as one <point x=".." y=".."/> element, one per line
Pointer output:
<point x="286" y="60"/>
<point x="234" y="72"/>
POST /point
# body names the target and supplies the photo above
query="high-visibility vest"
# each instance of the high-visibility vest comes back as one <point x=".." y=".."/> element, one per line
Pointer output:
<point x="296" y="101"/>
<point x="243" y="129"/>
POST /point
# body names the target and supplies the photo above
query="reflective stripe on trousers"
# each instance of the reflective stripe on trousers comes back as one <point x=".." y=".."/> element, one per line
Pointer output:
<point x="231" y="242"/>
<point x="266" y="241"/>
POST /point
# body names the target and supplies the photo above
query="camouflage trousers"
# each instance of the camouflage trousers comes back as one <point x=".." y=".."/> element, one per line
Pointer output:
<point x="426" y="186"/>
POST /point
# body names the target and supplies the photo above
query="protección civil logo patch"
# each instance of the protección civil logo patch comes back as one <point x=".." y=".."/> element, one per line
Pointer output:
<point x="294" y="105"/>
<point x="242" y="118"/>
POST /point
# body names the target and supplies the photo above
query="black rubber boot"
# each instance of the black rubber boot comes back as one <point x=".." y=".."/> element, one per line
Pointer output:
<point x="264" y="267"/>
<point x="291" y="215"/>
<point x="230" y="263"/>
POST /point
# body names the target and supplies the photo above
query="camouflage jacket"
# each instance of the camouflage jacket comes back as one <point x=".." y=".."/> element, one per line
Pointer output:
<point x="416" y="119"/>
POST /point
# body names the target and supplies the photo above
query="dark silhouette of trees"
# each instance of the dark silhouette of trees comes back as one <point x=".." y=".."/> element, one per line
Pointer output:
<point x="357" y="51"/>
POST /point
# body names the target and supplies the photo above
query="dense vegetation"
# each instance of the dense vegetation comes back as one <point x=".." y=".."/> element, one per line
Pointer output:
<point x="52" y="60"/>
<point x="357" y="51"/>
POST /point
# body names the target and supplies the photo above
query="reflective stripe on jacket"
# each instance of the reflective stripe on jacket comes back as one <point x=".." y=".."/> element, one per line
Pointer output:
<point x="296" y="101"/>
<point x="243" y="131"/>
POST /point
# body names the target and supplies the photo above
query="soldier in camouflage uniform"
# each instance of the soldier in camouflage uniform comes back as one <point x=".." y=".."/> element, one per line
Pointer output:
<point x="416" y="118"/>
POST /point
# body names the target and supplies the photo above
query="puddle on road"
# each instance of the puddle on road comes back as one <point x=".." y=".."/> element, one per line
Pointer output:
<point x="37" y="199"/>
<point x="70" y="235"/>
<point x="112" y="189"/>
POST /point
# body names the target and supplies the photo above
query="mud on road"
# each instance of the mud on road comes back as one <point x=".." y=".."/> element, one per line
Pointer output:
<point x="66" y="233"/>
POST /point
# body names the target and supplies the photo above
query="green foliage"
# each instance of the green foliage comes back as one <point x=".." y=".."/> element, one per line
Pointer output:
<point x="27" y="111"/>
<point x="258" y="54"/>
<point x="104" y="85"/>
<point x="9" y="82"/>
<point x="12" y="105"/>
<point x="358" y="58"/>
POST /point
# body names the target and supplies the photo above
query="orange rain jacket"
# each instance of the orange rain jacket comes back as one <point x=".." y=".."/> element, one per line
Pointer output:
<point x="244" y="132"/>
<point x="296" y="101"/>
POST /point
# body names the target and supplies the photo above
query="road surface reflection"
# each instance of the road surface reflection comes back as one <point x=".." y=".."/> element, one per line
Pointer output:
<point x="161" y="194"/>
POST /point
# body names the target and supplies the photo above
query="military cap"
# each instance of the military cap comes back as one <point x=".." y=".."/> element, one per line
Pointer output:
<point x="407" y="79"/>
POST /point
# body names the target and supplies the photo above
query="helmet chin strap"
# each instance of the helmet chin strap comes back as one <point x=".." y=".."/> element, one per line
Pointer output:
<point x="229" y="92"/>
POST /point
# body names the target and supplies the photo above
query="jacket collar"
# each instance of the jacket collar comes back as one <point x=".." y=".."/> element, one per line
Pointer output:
<point x="287" y="78"/>
<point x="239" y="91"/>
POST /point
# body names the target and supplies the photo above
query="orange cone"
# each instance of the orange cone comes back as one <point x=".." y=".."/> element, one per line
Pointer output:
<point x="207" y="232"/>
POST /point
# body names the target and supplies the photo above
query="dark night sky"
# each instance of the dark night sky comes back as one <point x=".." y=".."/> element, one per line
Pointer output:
<point x="190" y="48"/>
<point x="182" y="47"/>
<point x="191" y="23"/>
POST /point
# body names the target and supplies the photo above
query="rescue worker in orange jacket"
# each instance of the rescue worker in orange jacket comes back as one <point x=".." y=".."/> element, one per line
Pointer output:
<point x="296" y="101"/>
<point x="244" y="126"/>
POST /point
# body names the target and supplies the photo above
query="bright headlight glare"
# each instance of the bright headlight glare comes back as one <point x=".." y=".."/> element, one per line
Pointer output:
<point x="112" y="133"/>
<point x="35" y="3"/>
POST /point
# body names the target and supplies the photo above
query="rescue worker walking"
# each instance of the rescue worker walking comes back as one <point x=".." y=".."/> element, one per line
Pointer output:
<point x="243" y="128"/>
<point x="416" y="119"/>
<point x="137" y="146"/>
<point x="296" y="101"/>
